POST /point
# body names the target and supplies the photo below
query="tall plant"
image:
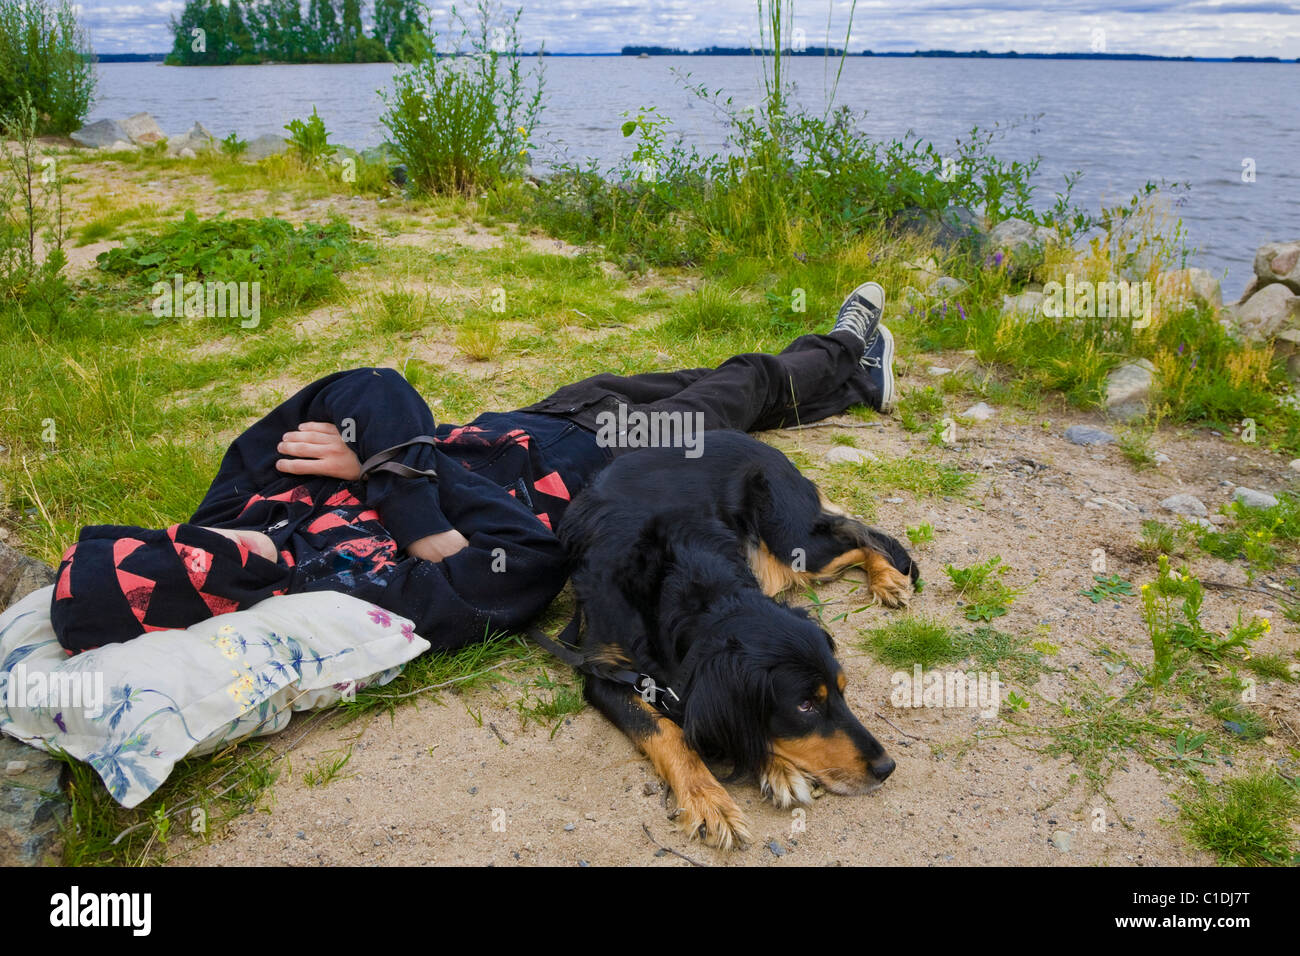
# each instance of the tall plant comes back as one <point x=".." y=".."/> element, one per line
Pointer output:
<point x="45" y="56"/>
<point x="461" y="115"/>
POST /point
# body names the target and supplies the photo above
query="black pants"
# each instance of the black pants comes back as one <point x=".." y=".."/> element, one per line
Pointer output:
<point x="816" y="376"/>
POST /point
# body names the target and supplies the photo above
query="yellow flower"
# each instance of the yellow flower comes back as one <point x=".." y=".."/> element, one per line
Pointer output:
<point x="522" y="131"/>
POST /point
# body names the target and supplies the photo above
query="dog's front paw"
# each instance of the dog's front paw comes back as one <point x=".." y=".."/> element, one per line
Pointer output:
<point x="890" y="586"/>
<point x="708" y="813"/>
<point x="784" y="783"/>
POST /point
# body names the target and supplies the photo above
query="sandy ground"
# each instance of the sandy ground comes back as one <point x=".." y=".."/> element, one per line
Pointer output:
<point x="429" y="784"/>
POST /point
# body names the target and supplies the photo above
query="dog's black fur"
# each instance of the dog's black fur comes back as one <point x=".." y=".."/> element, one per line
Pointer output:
<point x="670" y="555"/>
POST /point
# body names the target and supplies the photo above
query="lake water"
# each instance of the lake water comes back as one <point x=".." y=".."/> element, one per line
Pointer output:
<point x="1121" y="123"/>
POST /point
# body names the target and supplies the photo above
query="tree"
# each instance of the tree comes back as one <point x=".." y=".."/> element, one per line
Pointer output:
<point x="45" y="56"/>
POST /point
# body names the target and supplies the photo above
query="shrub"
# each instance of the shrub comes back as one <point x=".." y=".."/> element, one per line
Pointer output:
<point x="44" y="54"/>
<point x="309" y="140"/>
<point x="460" y="116"/>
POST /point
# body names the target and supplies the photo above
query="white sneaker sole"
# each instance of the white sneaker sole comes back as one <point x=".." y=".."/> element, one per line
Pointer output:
<point x="887" y="395"/>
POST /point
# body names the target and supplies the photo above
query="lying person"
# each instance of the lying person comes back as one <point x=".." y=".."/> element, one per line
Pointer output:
<point x="350" y="486"/>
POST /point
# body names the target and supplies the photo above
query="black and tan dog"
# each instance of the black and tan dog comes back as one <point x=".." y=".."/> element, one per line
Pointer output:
<point x="676" y="563"/>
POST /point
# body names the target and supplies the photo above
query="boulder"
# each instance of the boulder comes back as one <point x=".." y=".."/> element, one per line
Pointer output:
<point x="948" y="229"/>
<point x="923" y="272"/>
<point x="143" y="130"/>
<point x="20" y="575"/>
<point x="1189" y="506"/>
<point x="1279" y="262"/>
<point x="31" y="806"/>
<point x="1251" y="498"/>
<point x="1026" y="305"/>
<point x="1182" y="288"/>
<point x="101" y="133"/>
<point x="945" y="286"/>
<point x="265" y="145"/>
<point x="1128" y="390"/>
<point x="197" y="139"/>
<point x="1022" y="243"/>
<point x="1087" y="435"/>
<point x="1271" y="310"/>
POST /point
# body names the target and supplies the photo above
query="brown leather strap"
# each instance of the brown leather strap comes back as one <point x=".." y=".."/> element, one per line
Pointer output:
<point x="382" y="461"/>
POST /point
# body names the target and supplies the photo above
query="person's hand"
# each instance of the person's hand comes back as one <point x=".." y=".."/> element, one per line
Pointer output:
<point x="436" y="547"/>
<point x="318" y="449"/>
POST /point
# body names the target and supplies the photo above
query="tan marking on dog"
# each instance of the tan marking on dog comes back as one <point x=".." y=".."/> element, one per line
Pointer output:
<point x="841" y="681"/>
<point x="833" y="759"/>
<point x="703" y="804"/>
<point x="612" y="655"/>
<point x="891" y="586"/>
<point x="784" y="783"/>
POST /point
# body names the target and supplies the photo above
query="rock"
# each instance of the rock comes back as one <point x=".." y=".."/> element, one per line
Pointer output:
<point x="1180" y="288"/>
<point x="1251" y="498"/>
<point x="1189" y="506"/>
<point x="923" y="272"/>
<point x="1128" y="390"/>
<point x="776" y="848"/>
<point x="1268" y="312"/>
<point x="855" y="456"/>
<point x="1027" y="305"/>
<point x="1162" y="459"/>
<point x="122" y="146"/>
<point x="1295" y="464"/>
<point x="15" y="767"/>
<point x="938" y="371"/>
<point x="197" y="139"/>
<point x="1251" y="288"/>
<point x="1062" y="840"/>
<point x="143" y="130"/>
<point x="20" y="575"/>
<point x="101" y="133"/>
<point x="31" y="806"/>
<point x="188" y="153"/>
<point x="1087" y="435"/>
<point x="945" y="286"/>
<point x="979" y="412"/>
<point x="1022" y="243"/>
<point x="948" y="229"/>
<point x="912" y="299"/>
<point x="1279" y="262"/>
<point x="265" y="145"/>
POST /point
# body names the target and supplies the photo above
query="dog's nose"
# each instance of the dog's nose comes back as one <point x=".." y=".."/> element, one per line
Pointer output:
<point x="882" y="768"/>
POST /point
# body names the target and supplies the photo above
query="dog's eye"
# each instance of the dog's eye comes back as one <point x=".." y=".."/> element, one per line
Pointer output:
<point x="807" y="707"/>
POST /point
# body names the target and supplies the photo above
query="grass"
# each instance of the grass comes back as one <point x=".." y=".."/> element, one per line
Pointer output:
<point x="1246" y="820"/>
<point x="916" y="639"/>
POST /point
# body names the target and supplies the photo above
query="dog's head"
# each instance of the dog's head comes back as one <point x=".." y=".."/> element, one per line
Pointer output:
<point x="767" y="694"/>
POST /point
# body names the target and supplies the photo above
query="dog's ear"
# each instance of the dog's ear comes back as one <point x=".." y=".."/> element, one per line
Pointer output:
<point x="728" y="704"/>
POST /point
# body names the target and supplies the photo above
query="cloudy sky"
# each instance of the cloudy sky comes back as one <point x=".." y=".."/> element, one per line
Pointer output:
<point x="1171" y="27"/>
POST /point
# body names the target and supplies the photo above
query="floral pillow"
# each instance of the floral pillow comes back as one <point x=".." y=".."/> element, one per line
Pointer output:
<point x="132" y="710"/>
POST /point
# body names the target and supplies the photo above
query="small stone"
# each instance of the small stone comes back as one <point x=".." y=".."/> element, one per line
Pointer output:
<point x="1062" y="839"/>
<point x="1128" y="389"/>
<point x="1162" y="459"/>
<point x="844" y="453"/>
<point x="893" y="501"/>
<point x="979" y="412"/>
<point x="945" y="286"/>
<point x="15" y="767"/>
<point x="1189" y="506"/>
<point x="1254" y="499"/>
<point x="1295" y="464"/>
<point x="776" y="848"/>
<point x="938" y="371"/>
<point x="1087" y="435"/>
<point x="1234" y="728"/>
<point x="187" y="153"/>
<point x="650" y="789"/>
<point x="302" y="834"/>
<point x="569" y="827"/>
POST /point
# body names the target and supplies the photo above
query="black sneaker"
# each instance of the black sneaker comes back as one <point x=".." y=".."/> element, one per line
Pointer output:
<point x="861" y="311"/>
<point x="878" y="361"/>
